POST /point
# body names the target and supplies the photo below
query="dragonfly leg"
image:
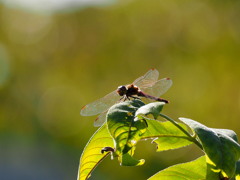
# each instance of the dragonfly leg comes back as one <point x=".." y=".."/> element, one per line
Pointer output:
<point x="124" y="98"/>
<point x="127" y="98"/>
<point x="134" y="97"/>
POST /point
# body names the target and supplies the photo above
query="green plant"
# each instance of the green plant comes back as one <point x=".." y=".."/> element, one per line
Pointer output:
<point x="131" y="121"/>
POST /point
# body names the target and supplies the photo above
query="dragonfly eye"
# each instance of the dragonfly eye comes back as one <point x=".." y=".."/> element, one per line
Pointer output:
<point x="122" y="90"/>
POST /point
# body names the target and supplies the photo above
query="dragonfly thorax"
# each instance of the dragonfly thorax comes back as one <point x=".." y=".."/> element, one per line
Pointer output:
<point x="128" y="90"/>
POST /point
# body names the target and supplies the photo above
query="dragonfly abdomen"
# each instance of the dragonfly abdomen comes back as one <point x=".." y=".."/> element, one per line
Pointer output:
<point x="140" y="93"/>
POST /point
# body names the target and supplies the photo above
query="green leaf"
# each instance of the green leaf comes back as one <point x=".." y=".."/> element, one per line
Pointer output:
<point x="194" y="170"/>
<point x="166" y="135"/>
<point x="92" y="155"/>
<point x="152" y="108"/>
<point x="226" y="132"/>
<point x="125" y="132"/>
<point x="220" y="146"/>
<point x="128" y="160"/>
<point x="237" y="173"/>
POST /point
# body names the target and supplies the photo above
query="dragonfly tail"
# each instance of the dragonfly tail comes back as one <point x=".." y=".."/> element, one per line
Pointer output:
<point x="152" y="97"/>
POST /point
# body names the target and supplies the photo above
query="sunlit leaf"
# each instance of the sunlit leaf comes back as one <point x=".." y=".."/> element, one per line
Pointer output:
<point x="152" y="108"/>
<point x="128" y="160"/>
<point x="221" y="149"/>
<point x="194" y="170"/>
<point x="92" y="155"/>
<point x="166" y="135"/>
<point x="125" y="132"/>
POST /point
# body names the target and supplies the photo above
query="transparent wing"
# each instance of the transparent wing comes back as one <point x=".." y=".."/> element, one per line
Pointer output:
<point x="147" y="80"/>
<point x="100" y="119"/>
<point x="159" y="88"/>
<point x="100" y="105"/>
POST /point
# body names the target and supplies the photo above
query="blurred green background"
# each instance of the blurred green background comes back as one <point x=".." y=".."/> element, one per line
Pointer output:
<point x="55" y="58"/>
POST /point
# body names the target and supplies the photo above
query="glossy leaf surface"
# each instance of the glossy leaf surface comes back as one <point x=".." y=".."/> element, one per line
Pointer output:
<point x="152" y="108"/>
<point x="220" y="146"/>
<point x="125" y="132"/>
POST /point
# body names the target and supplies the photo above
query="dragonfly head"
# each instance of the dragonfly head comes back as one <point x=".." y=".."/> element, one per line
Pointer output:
<point x="122" y="90"/>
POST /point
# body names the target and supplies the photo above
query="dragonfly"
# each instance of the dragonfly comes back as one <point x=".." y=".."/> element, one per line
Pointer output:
<point x="147" y="86"/>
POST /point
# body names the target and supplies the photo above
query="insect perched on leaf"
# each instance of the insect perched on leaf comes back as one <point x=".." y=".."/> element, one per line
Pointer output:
<point x="147" y="86"/>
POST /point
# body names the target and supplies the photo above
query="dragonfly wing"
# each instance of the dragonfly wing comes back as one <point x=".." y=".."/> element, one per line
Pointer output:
<point x="147" y="80"/>
<point x="100" y="119"/>
<point x="100" y="105"/>
<point x="159" y="88"/>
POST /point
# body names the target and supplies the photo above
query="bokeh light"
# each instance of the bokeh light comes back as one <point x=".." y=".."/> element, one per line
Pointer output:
<point x="48" y="6"/>
<point x="58" y="111"/>
<point x="4" y="66"/>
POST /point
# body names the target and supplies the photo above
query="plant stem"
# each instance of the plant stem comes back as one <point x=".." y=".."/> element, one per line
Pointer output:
<point x="191" y="138"/>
